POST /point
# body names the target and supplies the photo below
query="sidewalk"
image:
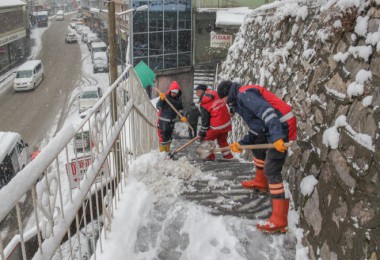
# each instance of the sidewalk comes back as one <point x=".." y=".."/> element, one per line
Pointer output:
<point x="6" y="79"/>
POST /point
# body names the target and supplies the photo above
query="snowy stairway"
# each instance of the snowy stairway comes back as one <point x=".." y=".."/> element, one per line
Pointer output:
<point x="203" y="76"/>
<point x="222" y="192"/>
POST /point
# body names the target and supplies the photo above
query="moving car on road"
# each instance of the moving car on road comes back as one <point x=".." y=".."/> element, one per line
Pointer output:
<point x="28" y="75"/>
<point x="42" y="18"/>
<point x="59" y="16"/>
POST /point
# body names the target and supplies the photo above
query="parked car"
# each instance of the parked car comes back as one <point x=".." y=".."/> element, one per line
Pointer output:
<point x="91" y="39"/>
<point x="79" y="29"/>
<point x="100" y="62"/>
<point x="85" y="28"/>
<point x="85" y="31"/>
<point x="71" y="37"/>
<point x="13" y="156"/>
<point x="78" y="25"/>
<point x="89" y="97"/>
<point x="97" y="47"/>
<point x="28" y="75"/>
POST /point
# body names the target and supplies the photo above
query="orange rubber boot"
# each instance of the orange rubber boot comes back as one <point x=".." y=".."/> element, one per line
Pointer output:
<point x="211" y="157"/>
<point x="259" y="182"/>
<point x="278" y="222"/>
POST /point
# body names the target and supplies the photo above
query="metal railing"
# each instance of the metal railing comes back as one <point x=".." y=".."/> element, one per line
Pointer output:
<point x="66" y="196"/>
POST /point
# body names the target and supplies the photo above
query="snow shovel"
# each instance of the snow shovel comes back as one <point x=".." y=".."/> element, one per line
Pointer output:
<point x="208" y="147"/>
<point x="175" y="110"/>
<point x="171" y="155"/>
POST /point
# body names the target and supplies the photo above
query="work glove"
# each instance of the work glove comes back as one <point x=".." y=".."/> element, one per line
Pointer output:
<point x="234" y="148"/>
<point x="231" y="110"/>
<point x="279" y="145"/>
<point x="162" y="96"/>
<point x="202" y="134"/>
<point x="183" y="119"/>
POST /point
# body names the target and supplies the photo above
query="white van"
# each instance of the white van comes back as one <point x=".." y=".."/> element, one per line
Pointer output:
<point x="59" y="16"/>
<point x="28" y="75"/>
<point x="13" y="156"/>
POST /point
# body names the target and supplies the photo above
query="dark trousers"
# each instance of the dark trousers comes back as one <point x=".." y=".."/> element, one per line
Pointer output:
<point x="193" y="134"/>
<point x="165" y="131"/>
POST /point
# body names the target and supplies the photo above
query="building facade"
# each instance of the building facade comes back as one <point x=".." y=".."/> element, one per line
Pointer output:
<point x="13" y="33"/>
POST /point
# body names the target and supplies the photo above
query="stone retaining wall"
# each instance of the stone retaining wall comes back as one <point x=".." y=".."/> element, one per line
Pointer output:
<point x="325" y="62"/>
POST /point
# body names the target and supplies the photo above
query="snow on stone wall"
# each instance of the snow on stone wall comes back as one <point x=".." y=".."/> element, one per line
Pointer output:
<point x="324" y="60"/>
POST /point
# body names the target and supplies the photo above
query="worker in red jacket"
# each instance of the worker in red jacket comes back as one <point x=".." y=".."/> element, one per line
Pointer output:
<point x="266" y="116"/>
<point x="167" y="116"/>
<point x="216" y="120"/>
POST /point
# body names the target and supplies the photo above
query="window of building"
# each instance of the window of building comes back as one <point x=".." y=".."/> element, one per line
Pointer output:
<point x="162" y="34"/>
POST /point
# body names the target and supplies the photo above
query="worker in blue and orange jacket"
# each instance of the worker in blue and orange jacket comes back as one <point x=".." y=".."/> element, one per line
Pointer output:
<point x="271" y="120"/>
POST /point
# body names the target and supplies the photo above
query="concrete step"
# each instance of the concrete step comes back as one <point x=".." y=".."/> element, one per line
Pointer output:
<point x="224" y="194"/>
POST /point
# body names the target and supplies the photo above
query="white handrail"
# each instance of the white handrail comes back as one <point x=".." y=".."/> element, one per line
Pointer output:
<point x="97" y="147"/>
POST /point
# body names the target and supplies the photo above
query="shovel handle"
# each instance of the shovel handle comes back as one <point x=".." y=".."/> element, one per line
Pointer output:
<point x="175" y="110"/>
<point x="252" y="146"/>
<point x="185" y="145"/>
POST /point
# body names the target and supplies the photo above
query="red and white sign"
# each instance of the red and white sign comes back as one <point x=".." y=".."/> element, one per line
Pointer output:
<point x="220" y="40"/>
<point x="77" y="169"/>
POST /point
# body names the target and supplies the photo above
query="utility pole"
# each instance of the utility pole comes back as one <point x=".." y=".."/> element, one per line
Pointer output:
<point x="113" y="78"/>
<point x="112" y="55"/>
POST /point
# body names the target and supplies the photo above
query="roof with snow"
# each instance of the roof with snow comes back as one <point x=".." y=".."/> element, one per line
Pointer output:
<point x="231" y="16"/>
<point x="9" y="3"/>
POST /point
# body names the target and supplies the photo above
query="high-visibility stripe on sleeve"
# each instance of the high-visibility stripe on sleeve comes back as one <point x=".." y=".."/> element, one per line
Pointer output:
<point x="253" y="132"/>
<point x="269" y="110"/>
<point x="269" y="117"/>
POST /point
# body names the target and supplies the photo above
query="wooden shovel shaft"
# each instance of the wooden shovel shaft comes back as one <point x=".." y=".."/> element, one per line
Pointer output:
<point x="251" y="146"/>
<point x="175" y="110"/>
<point x="186" y="144"/>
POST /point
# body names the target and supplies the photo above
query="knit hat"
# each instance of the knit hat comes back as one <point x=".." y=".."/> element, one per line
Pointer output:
<point x="201" y="87"/>
<point x="224" y="88"/>
<point x="175" y="91"/>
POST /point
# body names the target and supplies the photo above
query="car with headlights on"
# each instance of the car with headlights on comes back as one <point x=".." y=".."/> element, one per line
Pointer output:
<point x="71" y="37"/>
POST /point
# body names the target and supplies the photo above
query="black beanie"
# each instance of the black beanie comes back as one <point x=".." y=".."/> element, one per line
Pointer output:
<point x="223" y="88"/>
<point x="201" y="87"/>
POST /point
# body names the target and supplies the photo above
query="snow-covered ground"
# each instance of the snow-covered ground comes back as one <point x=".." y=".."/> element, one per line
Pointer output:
<point x="152" y="218"/>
